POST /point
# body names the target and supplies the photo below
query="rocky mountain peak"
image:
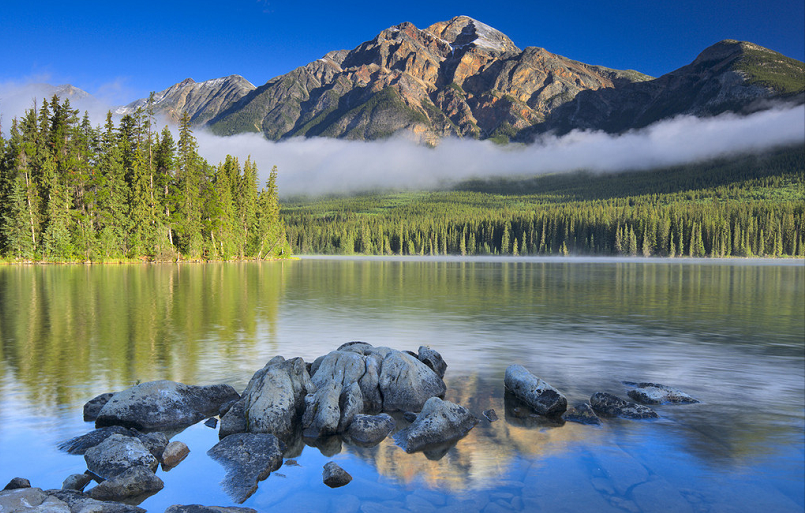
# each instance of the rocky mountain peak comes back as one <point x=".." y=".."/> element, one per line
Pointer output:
<point x="463" y="30"/>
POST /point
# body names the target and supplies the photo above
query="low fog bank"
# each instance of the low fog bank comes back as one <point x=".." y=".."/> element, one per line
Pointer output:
<point x="320" y="166"/>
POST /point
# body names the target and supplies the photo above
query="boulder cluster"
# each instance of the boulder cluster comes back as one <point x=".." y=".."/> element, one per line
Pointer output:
<point x="352" y="394"/>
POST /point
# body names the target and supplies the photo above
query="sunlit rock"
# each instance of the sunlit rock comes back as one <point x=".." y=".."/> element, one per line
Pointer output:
<point x="164" y="405"/>
<point x="174" y="453"/>
<point x="438" y="422"/>
<point x="538" y="394"/>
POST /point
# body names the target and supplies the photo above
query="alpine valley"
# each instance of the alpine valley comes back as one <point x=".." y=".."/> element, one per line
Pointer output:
<point x="464" y="78"/>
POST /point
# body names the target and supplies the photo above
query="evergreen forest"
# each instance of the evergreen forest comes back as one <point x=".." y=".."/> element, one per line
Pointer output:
<point x="127" y="192"/>
<point x="744" y="206"/>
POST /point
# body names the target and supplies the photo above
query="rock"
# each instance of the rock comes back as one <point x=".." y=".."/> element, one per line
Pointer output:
<point x="654" y="393"/>
<point x="406" y="383"/>
<point x="94" y="405"/>
<point x="433" y="360"/>
<point x="409" y="416"/>
<point x="334" y="476"/>
<point x="76" y="482"/>
<point x="608" y="405"/>
<point x="17" y="499"/>
<point x="135" y="484"/>
<point x="438" y="422"/>
<point x="322" y="411"/>
<point x="338" y="395"/>
<point x="490" y="415"/>
<point x="248" y="458"/>
<point x="197" y="508"/>
<point x="369" y="383"/>
<point x="212" y="422"/>
<point x="154" y="442"/>
<point x="272" y="401"/>
<point x="164" y="405"/>
<point x="538" y="394"/>
<point x="116" y="454"/>
<point x="520" y="413"/>
<point x="370" y="429"/>
<point x="174" y="453"/>
<point x="80" y="444"/>
<point x="583" y="414"/>
<point x="350" y="404"/>
<point x="17" y="483"/>
<point x="81" y="503"/>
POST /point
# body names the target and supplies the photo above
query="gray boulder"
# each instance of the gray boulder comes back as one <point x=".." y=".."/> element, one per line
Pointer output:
<point x="81" y="503"/>
<point x="654" y="393"/>
<point x="27" y="499"/>
<point x="76" y="482"/>
<point x="438" y="422"/>
<point x="93" y="407"/>
<point x="164" y="405"/>
<point x="433" y="360"/>
<point x="116" y="454"/>
<point x="608" y="405"/>
<point x="16" y="483"/>
<point x="538" y="394"/>
<point x="370" y="429"/>
<point x="406" y="384"/>
<point x="272" y="401"/>
<point x="322" y="411"/>
<point x="155" y="442"/>
<point x="80" y="444"/>
<point x="334" y="476"/>
<point x="370" y="386"/>
<point x="582" y="414"/>
<point x="197" y="508"/>
<point x="248" y="458"/>
<point x="135" y="484"/>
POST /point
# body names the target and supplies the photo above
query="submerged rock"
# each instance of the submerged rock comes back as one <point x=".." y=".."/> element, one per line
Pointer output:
<point x="370" y="429"/>
<point x="438" y="422"/>
<point x="271" y="402"/>
<point x="197" y="508"/>
<point x="135" y="484"/>
<point x="164" y="405"/>
<point x="334" y="476"/>
<point x="93" y="407"/>
<point x="582" y="414"/>
<point x="490" y="415"/>
<point x="654" y="393"/>
<point x="116" y="454"/>
<point x="538" y="394"/>
<point x="248" y="458"/>
<point x="608" y="405"/>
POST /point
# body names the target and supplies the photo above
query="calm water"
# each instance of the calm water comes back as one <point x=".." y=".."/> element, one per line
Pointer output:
<point x="730" y="333"/>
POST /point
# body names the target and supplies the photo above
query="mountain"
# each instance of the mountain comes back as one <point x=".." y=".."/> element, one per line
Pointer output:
<point x="201" y="100"/>
<point x="464" y="78"/>
<point x="731" y="76"/>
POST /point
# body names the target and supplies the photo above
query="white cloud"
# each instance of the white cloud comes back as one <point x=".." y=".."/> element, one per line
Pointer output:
<point x="317" y="166"/>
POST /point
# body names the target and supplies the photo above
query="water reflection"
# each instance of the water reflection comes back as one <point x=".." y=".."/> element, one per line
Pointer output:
<point x="732" y="335"/>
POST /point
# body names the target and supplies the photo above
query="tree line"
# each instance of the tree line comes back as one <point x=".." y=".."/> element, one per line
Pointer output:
<point x="70" y="191"/>
<point x="741" y="208"/>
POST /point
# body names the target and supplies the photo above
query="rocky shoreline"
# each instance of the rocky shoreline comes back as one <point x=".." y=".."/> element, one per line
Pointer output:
<point x="358" y="393"/>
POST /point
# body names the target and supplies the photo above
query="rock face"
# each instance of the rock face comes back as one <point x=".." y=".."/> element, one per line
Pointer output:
<point x="608" y="405"/>
<point x="370" y="429"/>
<point x="164" y="405"/>
<point x="272" y="401"/>
<point x="202" y="101"/>
<point x="538" y="394"/>
<point x="248" y="458"/>
<point x="439" y="422"/>
<point x="334" y="476"/>
<point x="136" y="483"/>
<point x="654" y="393"/>
<point x="116" y="454"/>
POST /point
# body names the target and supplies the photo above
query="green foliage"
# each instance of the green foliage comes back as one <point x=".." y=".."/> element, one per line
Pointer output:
<point x="740" y="207"/>
<point x="771" y="69"/>
<point x="69" y="191"/>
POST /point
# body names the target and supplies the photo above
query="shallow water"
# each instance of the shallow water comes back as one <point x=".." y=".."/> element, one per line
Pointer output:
<point x="731" y="333"/>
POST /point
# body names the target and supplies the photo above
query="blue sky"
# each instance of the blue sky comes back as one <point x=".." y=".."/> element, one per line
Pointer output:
<point x="122" y="50"/>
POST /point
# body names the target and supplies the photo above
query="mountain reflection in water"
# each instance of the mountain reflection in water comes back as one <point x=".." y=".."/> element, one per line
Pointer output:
<point x="732" y="334"/>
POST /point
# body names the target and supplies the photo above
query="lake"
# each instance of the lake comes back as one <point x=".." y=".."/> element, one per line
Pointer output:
<point x="729" y="332"/>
